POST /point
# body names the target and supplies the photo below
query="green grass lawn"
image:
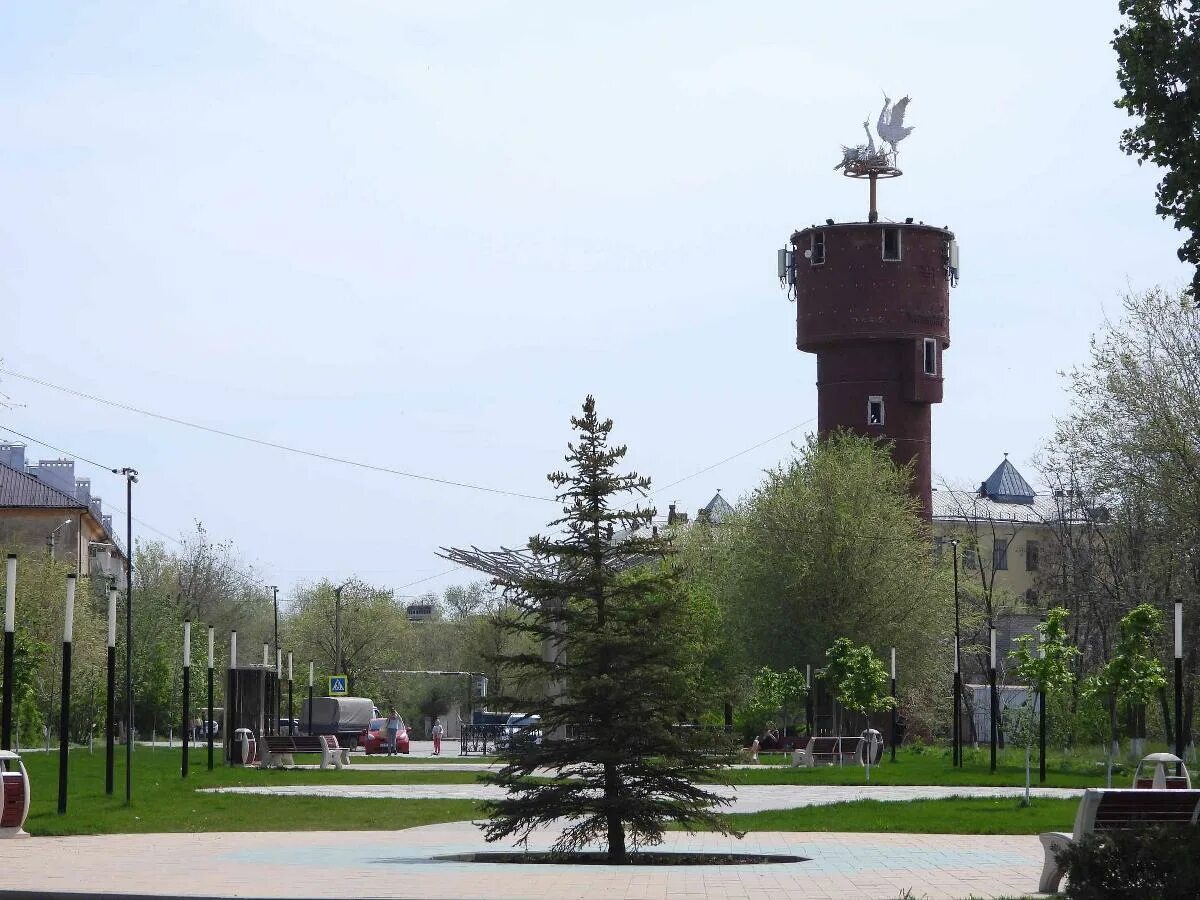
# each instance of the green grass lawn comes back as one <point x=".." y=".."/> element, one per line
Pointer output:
<point x="163" y="801"/>
<point x="966" y="815"/>
<point x="932" y="766"/>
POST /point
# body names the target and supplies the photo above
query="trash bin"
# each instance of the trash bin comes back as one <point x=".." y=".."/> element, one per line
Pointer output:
<point x="872" y="741"/>
<point x="244" y="749"/>
<point x="14" y="795"/>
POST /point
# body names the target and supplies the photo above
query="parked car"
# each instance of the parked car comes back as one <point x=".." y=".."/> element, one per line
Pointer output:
<point x="374" y="738"/>
<point x="520" y="727"/>
<point x="284" y="724"/>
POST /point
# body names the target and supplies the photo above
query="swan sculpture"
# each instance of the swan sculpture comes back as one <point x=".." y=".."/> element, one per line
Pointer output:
<point x="890" y="126"/>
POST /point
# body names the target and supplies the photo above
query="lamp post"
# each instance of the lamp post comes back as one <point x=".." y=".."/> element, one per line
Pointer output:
<point x="64" y="721"/>
<point x="278" y="683"/>
<point x="208" y="725"/>
<point x="130" y="476"/>
<point x="232" y="694"/>
<point x="50" y="538"/>
<point x="1042" y="715"/>
<point x="809" y="716"/>
<point x="995" y="698"/>
<point x="111" y="731"/>
<point x="956" y="731"/>
<point x="10" y="615"/>
<point x="893" y="704"/>
<point x="337" y="627"/>
<point x="262" y="692"/>
<point x="1179" y="748"/>
<point x="187" y="686"/>
<point x="310" y="695"/>
<point x="274" y="589"/>
<point x="291" y="707"/>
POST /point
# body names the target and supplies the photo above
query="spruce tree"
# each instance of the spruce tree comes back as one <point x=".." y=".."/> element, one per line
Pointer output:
<point x="611" y="683"/>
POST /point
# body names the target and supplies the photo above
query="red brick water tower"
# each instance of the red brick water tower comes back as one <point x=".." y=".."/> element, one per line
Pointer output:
<point x="873" y="303"/>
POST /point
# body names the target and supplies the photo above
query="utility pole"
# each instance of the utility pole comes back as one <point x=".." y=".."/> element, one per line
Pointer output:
<point x="337" y="627"/>
<point x="274" y="589"/>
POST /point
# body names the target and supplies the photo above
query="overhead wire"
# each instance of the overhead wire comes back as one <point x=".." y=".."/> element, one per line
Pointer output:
<point x="314" y="454"/>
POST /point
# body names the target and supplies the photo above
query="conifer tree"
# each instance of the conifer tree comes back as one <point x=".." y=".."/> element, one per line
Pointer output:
<point x="612" y="681"/>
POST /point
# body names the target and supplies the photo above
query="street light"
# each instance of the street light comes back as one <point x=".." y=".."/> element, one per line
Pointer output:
<point x="337" y="626"/>
<point x="274" y="589"/>
<point x="956" y="733"/>
<point x="130" y="476"/>
<point x="50" y="537"/>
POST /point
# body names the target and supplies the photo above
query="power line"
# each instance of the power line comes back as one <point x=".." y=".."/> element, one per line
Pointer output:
<point x="313" y="454"/>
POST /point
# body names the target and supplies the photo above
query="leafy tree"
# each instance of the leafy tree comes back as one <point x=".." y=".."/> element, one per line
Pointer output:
<point x="1047" y="670"/>
<point x="779" y="693"/>
<point x="611" y="682"/>
<point x="1158" y="67"/>
<point x="859" y="681"/>
<point x="831" y="544"/>
<point x="1134" y="674"/>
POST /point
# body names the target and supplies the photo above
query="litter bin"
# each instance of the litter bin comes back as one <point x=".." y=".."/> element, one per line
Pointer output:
<point x="14" y="795"/>
<point x="244" y="749"/>
<point x="872" y="742"/>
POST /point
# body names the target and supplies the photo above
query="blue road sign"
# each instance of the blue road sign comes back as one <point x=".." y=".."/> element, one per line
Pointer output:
<point x="337" y="685"/>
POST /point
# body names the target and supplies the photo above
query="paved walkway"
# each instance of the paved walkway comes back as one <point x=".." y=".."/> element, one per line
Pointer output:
<point x="404" y="864"/>
<point x="747" y="798"/>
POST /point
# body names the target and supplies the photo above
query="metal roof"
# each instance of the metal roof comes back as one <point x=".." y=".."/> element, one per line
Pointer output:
<point x="717" y="510"/>
<point x="968" y="506"/>
<point x="1006" y="485"/>
<point x="20" y="489"/>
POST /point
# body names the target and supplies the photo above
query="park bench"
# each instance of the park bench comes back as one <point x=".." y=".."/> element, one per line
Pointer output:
<point x="277" y="749"/>
<point x="1114" y="809"/>
<point x="830" y="749"/>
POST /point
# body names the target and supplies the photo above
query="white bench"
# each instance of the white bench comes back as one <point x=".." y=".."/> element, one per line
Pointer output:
<point x="833" y="749"/>
<point x="277" y="750"/>
<point x="1114" y="809"/>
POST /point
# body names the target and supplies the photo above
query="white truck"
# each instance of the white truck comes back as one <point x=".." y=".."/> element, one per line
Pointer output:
<point x="346" y="717"/>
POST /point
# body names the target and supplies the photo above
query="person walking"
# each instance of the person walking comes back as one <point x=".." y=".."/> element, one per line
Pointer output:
<point x="393" y="729"/>
<point x="437" y="736"/>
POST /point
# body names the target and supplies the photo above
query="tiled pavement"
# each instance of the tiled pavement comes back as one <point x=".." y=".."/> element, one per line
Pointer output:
<point x="747" y="798"/>
<point x="403" y="864"/>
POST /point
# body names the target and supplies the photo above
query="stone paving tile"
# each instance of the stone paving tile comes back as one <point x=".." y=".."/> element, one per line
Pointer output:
<point x="403" y="864"/>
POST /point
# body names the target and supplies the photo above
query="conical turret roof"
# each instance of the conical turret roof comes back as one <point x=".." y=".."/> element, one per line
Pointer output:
<point x="1006" y="485"/>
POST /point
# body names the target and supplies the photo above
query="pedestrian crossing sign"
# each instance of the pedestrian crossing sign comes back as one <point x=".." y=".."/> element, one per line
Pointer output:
<point x="337" y="685"/>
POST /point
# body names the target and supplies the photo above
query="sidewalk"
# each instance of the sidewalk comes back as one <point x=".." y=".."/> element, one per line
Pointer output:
<point x="403" y="864"/>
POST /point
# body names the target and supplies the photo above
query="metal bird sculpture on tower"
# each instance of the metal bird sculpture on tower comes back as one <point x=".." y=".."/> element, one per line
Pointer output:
<point x="890" y="126"/>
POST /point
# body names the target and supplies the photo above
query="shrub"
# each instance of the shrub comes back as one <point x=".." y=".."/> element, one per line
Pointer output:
<point x="1163" y="863"/>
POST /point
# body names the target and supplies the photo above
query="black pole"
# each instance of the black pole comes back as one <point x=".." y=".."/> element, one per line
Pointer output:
<point x="130" y="478"/>
<point x="1041" y="736"/>
<point x="208" y="726"/>
<point x="893" y="720"/>
<point x="187" y="720"/>
<point x="6" y="714"/>
<point x="310" y="706"/>
<point x="809" y="712"/>
<point x="956" y="751"/>
<point x="64" y="727"/>
<point x="1179" y="744"/>
<point x="291" y="707"/>
<point x="995" y="712"/>
<point x="111" y="731"/>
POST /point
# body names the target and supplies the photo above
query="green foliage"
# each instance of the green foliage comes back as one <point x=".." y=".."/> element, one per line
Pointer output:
<point x="1162" y="862"/>
<point x="1134" y="675"/>
<point x="830" y="544"/>
<point x="779" y="693"/>
<point x="1158" y="54"/>
<point x="1048" y="669"/>
<point x="857" y="678"/>
<point x="615" y="678"/>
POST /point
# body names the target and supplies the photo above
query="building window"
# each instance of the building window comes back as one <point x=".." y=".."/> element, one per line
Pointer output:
<point x="1031" y="556"/>
<point x="1000" y="554"/>
<point x="817" y="256"/>
<point x="891" y="244"/>
<point x="875" y="411"/>
<point x="970" y="559"/>
<point x="930" y="356"/>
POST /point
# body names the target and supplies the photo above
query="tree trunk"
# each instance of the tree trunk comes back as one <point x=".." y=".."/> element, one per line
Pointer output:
<point x="1166" y="714"/>
<point x="616" y="828"/>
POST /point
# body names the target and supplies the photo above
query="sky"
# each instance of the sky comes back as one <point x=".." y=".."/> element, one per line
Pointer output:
<point x="416" y="235"/>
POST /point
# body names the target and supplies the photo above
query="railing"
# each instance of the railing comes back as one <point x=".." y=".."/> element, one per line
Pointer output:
<point x="477" y="738"/>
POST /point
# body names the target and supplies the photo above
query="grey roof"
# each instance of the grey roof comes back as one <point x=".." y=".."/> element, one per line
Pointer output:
<point x="20" y="489"/>
<point x="1006" y="485"/>
<point x="717" y="510"/>
<point x="968" y="506"/>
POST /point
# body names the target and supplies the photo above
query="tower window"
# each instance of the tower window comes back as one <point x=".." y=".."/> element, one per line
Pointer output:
<point x="875" y="411"/>
<point x="817" y="257"/>
<point x="930" y="356"/>
<point x="891" y="244"/>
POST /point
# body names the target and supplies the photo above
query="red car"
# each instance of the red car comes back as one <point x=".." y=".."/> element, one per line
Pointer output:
<point x="374" y="739"/>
